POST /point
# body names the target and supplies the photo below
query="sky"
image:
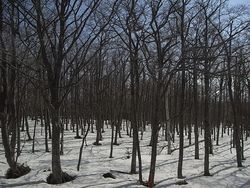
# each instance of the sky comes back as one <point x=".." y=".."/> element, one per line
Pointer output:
<point x="235" y="2"/>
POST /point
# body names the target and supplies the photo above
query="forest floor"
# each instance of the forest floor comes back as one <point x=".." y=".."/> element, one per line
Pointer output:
<point x="96" y="162"/>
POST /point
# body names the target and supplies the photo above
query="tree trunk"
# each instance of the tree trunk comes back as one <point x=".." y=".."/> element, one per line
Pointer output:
<point x="181" y="126"/>
<point x="46" y="122"/>
<point x="219" y="111"/>
<point x="196" y="110"/>
<point x="62" y="139"/>
<point x="56" y="130"/>
<point x="155" y="126"/>
<point x="34" y="134"/>
<point x="112" y="138"/>
<point x="207" y="136"/>
<point x="81" y="148"/>
<point x="168" y="133"/>
<point x="27" y="127"/>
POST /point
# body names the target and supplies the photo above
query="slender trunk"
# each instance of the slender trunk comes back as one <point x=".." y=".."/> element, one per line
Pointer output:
<point x="18" y="137"/>
<point x="168" y="133"/>
<point x="98" y="131"/>
<point x="242" y="142"/>
<point x="127" y="127"/>
<point x="46" y="131"/>
<point x="23" y="121"/>
<point x="117" y="130"/>
<point x="181" y="126"/>
<point x="134" y="104"/>
<point x="219" y="112"/>
<point x="112" y="138"/>
<point x="34" y="135"/>
<point x="183" y="80"/>
<point x="207" y="136"/>
<point x="81" y="148"/>
<point x="49" y="123"/>
<point x="154" y="140"/>
<point x="235" y="100"/>
<point x="155" y="126"/>
<point x="189" y="132"/>
<point x="27" y="127"/>
<point x="196" y="110"/>
<point x="236" y="133"/>
<point x="61" y="140"/>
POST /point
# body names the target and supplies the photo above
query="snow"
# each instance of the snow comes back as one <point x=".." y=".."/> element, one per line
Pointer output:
<point x="96" y="162"/>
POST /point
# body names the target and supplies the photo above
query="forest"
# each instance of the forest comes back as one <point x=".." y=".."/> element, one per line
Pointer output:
<point x="126" y="85"/>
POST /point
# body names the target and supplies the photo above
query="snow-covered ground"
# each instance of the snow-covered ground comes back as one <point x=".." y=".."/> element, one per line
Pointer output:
<point x="96" y="162"/>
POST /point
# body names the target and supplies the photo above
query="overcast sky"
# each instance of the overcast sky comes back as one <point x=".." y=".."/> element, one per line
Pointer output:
<point x="235" y="2"/>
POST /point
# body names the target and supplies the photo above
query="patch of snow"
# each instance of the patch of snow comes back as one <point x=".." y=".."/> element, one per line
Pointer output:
<point x="96" y="162"/>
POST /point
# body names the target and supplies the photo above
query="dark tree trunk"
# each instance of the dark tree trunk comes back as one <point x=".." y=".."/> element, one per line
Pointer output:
<point x="62" y="139"/>
<point x="181" y="126"/>
<point x="34" y="135"/>
<point x="56" y="130"/>
<point x="219" y="112"/>
<point x="112" y="138"/>
<point x="154" y="136"/>
<point x="27" y="127"/>
<point x="196" y="110"/>
<point x="46" y="122"/>
<point x="183" y="80"/>
<point x="81" y="148"/>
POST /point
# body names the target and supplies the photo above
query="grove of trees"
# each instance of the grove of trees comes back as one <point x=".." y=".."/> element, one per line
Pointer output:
<point x="181" y="66"/>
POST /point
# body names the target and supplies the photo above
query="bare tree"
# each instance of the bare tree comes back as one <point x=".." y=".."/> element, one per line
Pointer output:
<point x="59" y="28"/>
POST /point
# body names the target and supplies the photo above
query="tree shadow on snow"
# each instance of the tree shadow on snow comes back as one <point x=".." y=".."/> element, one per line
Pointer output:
<point x="22" y="184"/>
<point x="174" y="183"/>
<point x="231" y="174"/>
<point x="246" y="185"/>
<point x="112" y="184"/>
